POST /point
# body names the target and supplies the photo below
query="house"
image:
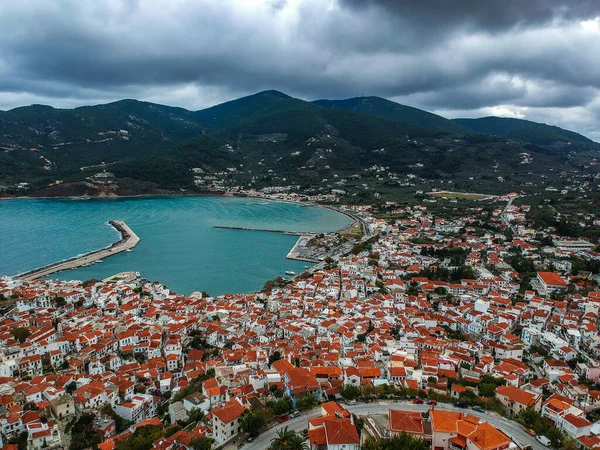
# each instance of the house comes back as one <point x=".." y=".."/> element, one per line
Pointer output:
<point x="408" y="422"/>
<point x="226" y="421"/>
<point x="333" y="430"/>
<point x="63" y="406"/>
<point x="334" y="434"/>
<point x="516" y="399"/>
<point x="550" y="282"/>
<point x="459" y="431"/>
<point x="575" y="426"/>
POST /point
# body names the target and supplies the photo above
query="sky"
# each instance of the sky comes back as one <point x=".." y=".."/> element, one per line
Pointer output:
<point x="532" y="59"/>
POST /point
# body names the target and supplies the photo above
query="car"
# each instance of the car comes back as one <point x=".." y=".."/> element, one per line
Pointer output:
<point x="418" y="401"/>
<point x="478" y="408"/>
<point x="431" y="402"/>
<point x="530" y="431"/>
<point x="543" y="440"/>
<point x="294" y="414"/>
<point x="284" y="418"/>
<point x="249" y="438"/>
<point x="351" y="402"/>
<point x="460" y="404"/>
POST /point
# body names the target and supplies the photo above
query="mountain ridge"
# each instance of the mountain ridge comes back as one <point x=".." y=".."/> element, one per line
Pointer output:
<point x="259" y="139"/>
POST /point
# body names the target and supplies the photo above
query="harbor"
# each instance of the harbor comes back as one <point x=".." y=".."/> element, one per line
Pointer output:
<point x="128" y="240"/>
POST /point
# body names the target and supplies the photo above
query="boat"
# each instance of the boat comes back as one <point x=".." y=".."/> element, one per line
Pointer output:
<point x="307" y="267"/>
<point x="289" y="272"/>
<point x="128" y="250"/>
<point x="99" y="261"/>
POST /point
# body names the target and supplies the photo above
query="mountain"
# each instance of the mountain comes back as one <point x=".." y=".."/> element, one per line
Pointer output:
<point x="293" y="142"/>
<point x="235" y="111"/>
<point x="522" y="130"/>
<point x="289" y="137"/>
<point x="39" y="140"/>
<point x="363" y="146"/>
<point x="386" y="109"/>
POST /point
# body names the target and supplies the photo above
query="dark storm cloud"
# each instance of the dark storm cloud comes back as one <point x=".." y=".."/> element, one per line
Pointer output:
<point x="448" y="55"/>
<point x="487" y="15"/>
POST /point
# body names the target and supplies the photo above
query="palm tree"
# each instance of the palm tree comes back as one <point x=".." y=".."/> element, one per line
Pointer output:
<point x="287" y="440"/>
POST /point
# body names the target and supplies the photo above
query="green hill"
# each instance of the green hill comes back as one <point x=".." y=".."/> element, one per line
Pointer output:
<point x="522" y="130"/>
<point x="272" y="139"/>
<point x="386" y="109"/>
<point x="235" y="111"/>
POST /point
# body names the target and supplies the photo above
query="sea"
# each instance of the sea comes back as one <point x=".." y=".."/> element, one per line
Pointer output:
<point x="179" y="244"/>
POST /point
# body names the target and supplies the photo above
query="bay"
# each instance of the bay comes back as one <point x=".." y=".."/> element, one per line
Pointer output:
<point x="179" y="245"/>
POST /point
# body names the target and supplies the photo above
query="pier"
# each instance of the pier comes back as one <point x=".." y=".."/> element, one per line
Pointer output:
<point x="299" y="250"/>
<point x="128" y="240"/>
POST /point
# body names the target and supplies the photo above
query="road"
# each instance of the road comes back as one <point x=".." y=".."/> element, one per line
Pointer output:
<point x="513" y="429"/>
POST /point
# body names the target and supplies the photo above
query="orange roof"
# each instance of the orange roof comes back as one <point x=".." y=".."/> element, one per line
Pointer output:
<point x="481" y="434"/>
<point x="341" y="431"/>
<point x="552" y="279"/>
<point x="411" y="422"/>
<point x="517" y="395"/>
<point x="229" y="412"/>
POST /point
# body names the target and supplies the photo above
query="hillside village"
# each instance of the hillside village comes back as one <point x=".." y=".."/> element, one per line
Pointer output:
<point x="448" y="324"/>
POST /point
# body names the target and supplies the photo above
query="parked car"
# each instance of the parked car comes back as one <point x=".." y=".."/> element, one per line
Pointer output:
<point x="418" y="401"/>
<point x="284" y="418"/>
<point x="351" y="402"/>
<point x="530" y="431"/>
<point x="432" y="402"/>
<point x="478" y="408"/>
<point x="543" y="440"/>
<point x="294" y="414"/>
<point x="460" y="404"/>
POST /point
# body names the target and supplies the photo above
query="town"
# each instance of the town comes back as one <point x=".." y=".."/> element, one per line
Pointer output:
<point x="476" y="330"/>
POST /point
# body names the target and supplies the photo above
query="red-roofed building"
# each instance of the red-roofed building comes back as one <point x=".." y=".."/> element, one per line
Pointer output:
<point x="550" y="282"/>
<point x="226" y="421"/>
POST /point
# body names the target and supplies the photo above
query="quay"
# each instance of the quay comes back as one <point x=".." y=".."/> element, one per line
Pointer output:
<point x="300" y="248"/>
<point x="128" y="240"/>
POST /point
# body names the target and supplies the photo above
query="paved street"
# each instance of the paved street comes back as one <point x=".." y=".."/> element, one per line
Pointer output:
<point x="513" y="429"/>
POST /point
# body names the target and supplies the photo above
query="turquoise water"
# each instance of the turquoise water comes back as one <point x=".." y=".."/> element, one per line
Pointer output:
<point x="179" y="245"/>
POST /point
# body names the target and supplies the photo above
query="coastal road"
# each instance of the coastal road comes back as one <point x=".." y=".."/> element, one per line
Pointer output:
<point x="512" y="429"/>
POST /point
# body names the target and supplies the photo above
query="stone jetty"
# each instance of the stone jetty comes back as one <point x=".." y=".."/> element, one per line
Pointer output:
<point x="128" y="240"/>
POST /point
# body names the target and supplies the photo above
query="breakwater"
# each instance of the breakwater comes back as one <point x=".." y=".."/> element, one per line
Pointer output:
<point x="128" y="240"/>
<point x="290" y="233"/>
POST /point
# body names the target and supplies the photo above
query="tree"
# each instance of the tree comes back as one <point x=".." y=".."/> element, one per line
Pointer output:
<point x="82" y="435"/>
<point x="350" y="392"/>
<point x="141" y="439"/>
<point x="281" y="406"/>
<point x="70" y="388"/>
<point x="275" y="356"/>
<point x="202" y="443"/>
<point x="252" y="423"/>
<point x="20" y="333"/>
<point x="287" y="440"/>
<point x="402" y="441"/>
<point x="195" y="415"/>
<point x="469" y="397"/>
<point x="307" y="402"/>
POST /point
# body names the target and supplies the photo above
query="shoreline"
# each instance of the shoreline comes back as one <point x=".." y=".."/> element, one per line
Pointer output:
<point x="128" y="240"/>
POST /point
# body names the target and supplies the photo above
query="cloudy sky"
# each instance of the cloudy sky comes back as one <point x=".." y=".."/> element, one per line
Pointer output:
<point x="534" y="59"/>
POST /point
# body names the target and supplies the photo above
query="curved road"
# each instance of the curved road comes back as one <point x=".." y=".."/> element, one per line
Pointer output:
<point x="512" y="429"/>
